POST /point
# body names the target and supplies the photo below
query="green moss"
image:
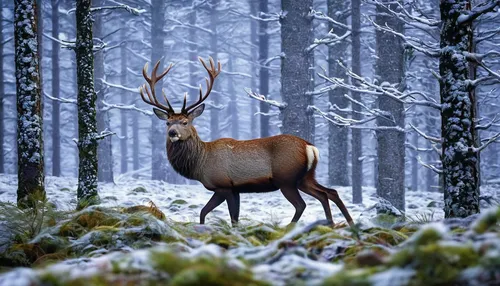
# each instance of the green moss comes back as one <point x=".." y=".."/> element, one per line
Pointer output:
<point x="426" y="236"/>
<point x="153" y="210"/>
<point x="179" y="202"/>
<point x="71" y="229"/>
<point x="436" y="264"/>
<point x="93" y="218"/>
<point x="352" y="278"/>
<point x="222" y="240"/>
<point x="385" y="236"/>
<point x="487" y="220"/>
<point x="263" y="233"/>
<point x="139" y="189"/>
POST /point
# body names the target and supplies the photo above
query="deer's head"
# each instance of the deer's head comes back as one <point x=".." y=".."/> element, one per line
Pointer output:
<point x="179" y="125"/>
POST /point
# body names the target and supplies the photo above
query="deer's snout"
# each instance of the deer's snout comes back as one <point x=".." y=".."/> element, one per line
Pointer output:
<point x="172" y="133"/>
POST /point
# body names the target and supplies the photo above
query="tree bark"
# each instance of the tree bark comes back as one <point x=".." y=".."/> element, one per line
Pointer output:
<point x="123" y="113"/>
<point x="2" y="95"/>
<point x="233" y="106"/>
<point x="254" y="57"/>
<point x="29" y="106"/>
<point x="104" y="150"/>
<point x="158" y="151"/>
<point x="390" y="142"/>
<point x="264" y="70"/>
<point x="460" y="161"/>
<point x="357" y="153"/>
<point x="214" y="112"/>
<point x="87" y="125"/>
<point x="56" y="110"/>
<point x="296" y="32"/>
<point x="337" y="135"/>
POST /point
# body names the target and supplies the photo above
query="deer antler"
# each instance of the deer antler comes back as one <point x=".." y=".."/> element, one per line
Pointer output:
<point x="152" y="100"/>
<point x="212" y="74"/>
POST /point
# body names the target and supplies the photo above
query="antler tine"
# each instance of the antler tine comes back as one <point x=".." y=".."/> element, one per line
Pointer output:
<point x="183" y="110"/>
<point x="152" y="80"/>
<point x="212" y="73"/>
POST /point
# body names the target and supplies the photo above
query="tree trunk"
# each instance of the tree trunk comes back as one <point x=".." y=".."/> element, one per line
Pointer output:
<point x="233" y="106"/>
<point x="414" y="161"/>
<point x="253" y="84"/>
<point x="29" y="119"/>
<point x="158" y="151"/>
<point x="460" y="161"/>
<point x="214" y="112"/>
<point x="390" y="142"/>
<point x="104" y="152"/>
<point x="357" y="153"/>
<point x="2" y="95"/>
<point x="87" y="125"/>
<point x="296" y="32"/>
<point x="56" y="110"/>
<point x="123" y="113"/>
<point x="264" y="70"/>
<point x="337" y="135"/>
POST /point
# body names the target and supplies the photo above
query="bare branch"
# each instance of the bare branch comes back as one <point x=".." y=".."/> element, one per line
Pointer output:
<point x="60" y="99"/>
<point x="260" y="97"/>
<point x="428" y="137"/>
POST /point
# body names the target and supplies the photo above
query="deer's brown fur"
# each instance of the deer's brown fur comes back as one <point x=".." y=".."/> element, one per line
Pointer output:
<point x="230" y="167"/>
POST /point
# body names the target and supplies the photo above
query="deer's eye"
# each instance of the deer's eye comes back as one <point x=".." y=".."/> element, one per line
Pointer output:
<point x="168" y="123"/>
<point x="184" y="123"/>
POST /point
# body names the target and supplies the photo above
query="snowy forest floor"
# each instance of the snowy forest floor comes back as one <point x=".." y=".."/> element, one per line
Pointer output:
<point x="146" y="233"/>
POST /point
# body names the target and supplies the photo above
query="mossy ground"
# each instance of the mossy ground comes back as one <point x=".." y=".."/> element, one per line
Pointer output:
<point x="140" y="245"/>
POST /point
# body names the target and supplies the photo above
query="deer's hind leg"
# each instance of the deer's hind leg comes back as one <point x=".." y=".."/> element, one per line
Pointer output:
<point x="321" y="197"/>
<point x="293" y="196"/>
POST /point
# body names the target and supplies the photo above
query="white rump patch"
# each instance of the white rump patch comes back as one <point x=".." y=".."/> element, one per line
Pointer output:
<point x="312" y="153"/>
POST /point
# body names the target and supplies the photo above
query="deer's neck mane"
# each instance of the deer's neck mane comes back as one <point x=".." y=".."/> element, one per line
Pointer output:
<point x="187" y="156"/>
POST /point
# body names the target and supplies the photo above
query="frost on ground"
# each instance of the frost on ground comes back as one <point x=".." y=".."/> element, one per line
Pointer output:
<point x="130" y="241"/>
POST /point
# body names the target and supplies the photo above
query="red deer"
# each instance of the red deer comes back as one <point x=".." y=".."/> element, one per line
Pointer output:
<point x="229" y="167"/>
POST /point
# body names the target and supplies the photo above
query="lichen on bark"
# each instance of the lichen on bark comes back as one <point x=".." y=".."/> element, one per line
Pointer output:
<point x="87" y="124"/>
<point x="29" y="119"/>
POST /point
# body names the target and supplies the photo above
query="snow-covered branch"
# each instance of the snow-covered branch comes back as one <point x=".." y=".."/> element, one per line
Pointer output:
<point x="63" y="43"/>
<point x="104" y="134"/>
<point x="428" y="137"/>
<point x="329" y="39"/>
<point x="60" y="99"/>
<point x="119" y="86"/>
<point x="109" y="106"/>
<point x="488" y="142"/>
<point x="321" y="16"/>
<point x="429" y="166"/>
<point x="127" y="8"/>
<point x="260" y="97"/>
<point x="470" y="16"/>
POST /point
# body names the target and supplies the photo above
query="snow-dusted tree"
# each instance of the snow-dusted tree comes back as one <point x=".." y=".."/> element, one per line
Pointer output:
<point x="29" y="106"/>
<point x="123" y="113"/>
<point x="56" y="128"/>
<point x="337" y="135"/>
<point x="296" y="33"/>
<point x="158" y="150"/>
<point x="87" y="123"/>
<point x="356" y="153"/>
<point x="390" y="133"/>
<point x="104" y="152"/>
<point x="264" y="69"/>
<point x="214" y="50"/>
<point x="2" y="95"/>
<point x="459" y="157"/>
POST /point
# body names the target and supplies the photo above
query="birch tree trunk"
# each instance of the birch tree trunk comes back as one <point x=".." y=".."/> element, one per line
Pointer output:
<point x="460" y="161"/>
<point x="390" y="142"/>
<point x="357" y="153"/>
<point x="87" y="125"/>
<point x="337" y="135"/>
<point x="296" y="32"/>
<point x="29" y="106"/>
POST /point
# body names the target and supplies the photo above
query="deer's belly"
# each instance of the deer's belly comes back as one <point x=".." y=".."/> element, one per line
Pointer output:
<point x="256" y="185"/>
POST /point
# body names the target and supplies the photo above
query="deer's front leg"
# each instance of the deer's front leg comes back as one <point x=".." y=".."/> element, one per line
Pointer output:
<point x="214" y="202"/>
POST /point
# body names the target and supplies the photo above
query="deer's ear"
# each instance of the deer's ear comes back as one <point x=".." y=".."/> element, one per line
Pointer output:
<point x="160" y="114"/>
<point x="197" y="111"/>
